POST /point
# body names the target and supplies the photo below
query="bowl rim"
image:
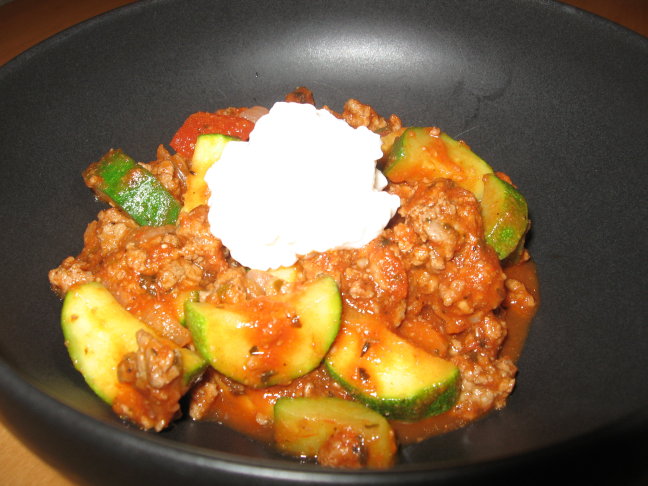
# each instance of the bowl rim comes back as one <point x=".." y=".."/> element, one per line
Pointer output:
<point x="28" y="395"/>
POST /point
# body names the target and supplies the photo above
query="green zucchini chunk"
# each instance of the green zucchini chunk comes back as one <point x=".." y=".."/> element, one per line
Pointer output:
<point x="209" y="148"/>
<point x="99" y="332"/>
<point x="268" y="340"/>
<point x="183" y="297"/>
<point x="119" y="180"/>
<point x="426" y="153"/>
<point x="390" y="375"/>
<point x="505" y="216"/>
<point x="302" y="426"/>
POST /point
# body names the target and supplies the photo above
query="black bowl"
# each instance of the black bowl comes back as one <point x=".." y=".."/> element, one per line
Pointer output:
<point x="555" y="97"/>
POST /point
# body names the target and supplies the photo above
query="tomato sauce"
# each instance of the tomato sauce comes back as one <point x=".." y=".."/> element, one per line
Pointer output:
<point x="518" y="316"/>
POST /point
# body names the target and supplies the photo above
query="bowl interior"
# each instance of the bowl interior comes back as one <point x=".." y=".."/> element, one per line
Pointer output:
<point x="551" y="96"/>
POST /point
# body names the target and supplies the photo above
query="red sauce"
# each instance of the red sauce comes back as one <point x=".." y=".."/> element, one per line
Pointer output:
<point x="518" y="316"/>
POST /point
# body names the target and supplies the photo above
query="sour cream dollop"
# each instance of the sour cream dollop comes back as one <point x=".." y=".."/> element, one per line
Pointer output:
<point x="305" y="181"/>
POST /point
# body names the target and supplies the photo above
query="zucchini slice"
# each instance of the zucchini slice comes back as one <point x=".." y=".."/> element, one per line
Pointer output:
<point x="505" y="215"/>
<point x="426" y="153"/>
<point x="390" y="375"/>
<point x="99" y="332"/>
<point x="192" y="295"/>
<point x="303" y="426"/>
<point x="119" y="180"/>
<point x="209" y="148"/>
<point x="268" y="340"/>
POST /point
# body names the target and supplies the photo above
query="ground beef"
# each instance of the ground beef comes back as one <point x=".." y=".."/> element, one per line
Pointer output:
<point x="345" y="448"/>
<point x="147" y="269"/>
<point x="300" y="95"/>
<point x="102" y="237"/>
<point x="358" y="114"/>
<point x="152" y="383"/>
<point x="457" y="276"/>
<point x="518" y="295"/>
<point x="171" y="171"/>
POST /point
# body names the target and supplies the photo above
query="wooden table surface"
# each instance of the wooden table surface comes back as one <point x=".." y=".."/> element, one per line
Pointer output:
<point x="24" y="23"/>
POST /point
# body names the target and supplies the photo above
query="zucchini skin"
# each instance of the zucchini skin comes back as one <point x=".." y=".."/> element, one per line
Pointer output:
<point x="505" y="214"/>
<point x="303" y="425"/>
<point x="388" y="374"/>
<point x="209" y="148"/>
<point x="410" y="409"/>
<point x="99" y="332"/>
<point x="295" y="334"/>
<point x="117" y="179"/>
<point x="427" y="153"/>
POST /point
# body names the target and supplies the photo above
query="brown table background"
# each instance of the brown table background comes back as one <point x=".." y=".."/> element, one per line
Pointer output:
<point x="24" y="23"/>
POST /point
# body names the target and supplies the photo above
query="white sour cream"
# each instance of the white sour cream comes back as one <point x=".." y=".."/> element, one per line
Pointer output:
<point x="306" y="181"/>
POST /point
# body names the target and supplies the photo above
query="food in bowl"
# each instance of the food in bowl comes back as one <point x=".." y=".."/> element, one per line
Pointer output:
<point x="334" y="284"/>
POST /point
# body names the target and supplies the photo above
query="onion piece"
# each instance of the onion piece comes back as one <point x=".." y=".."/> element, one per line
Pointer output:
<point x="254" y="113"/>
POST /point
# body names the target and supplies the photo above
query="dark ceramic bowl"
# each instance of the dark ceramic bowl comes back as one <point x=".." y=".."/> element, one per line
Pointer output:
<point x="555" y="97"/>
